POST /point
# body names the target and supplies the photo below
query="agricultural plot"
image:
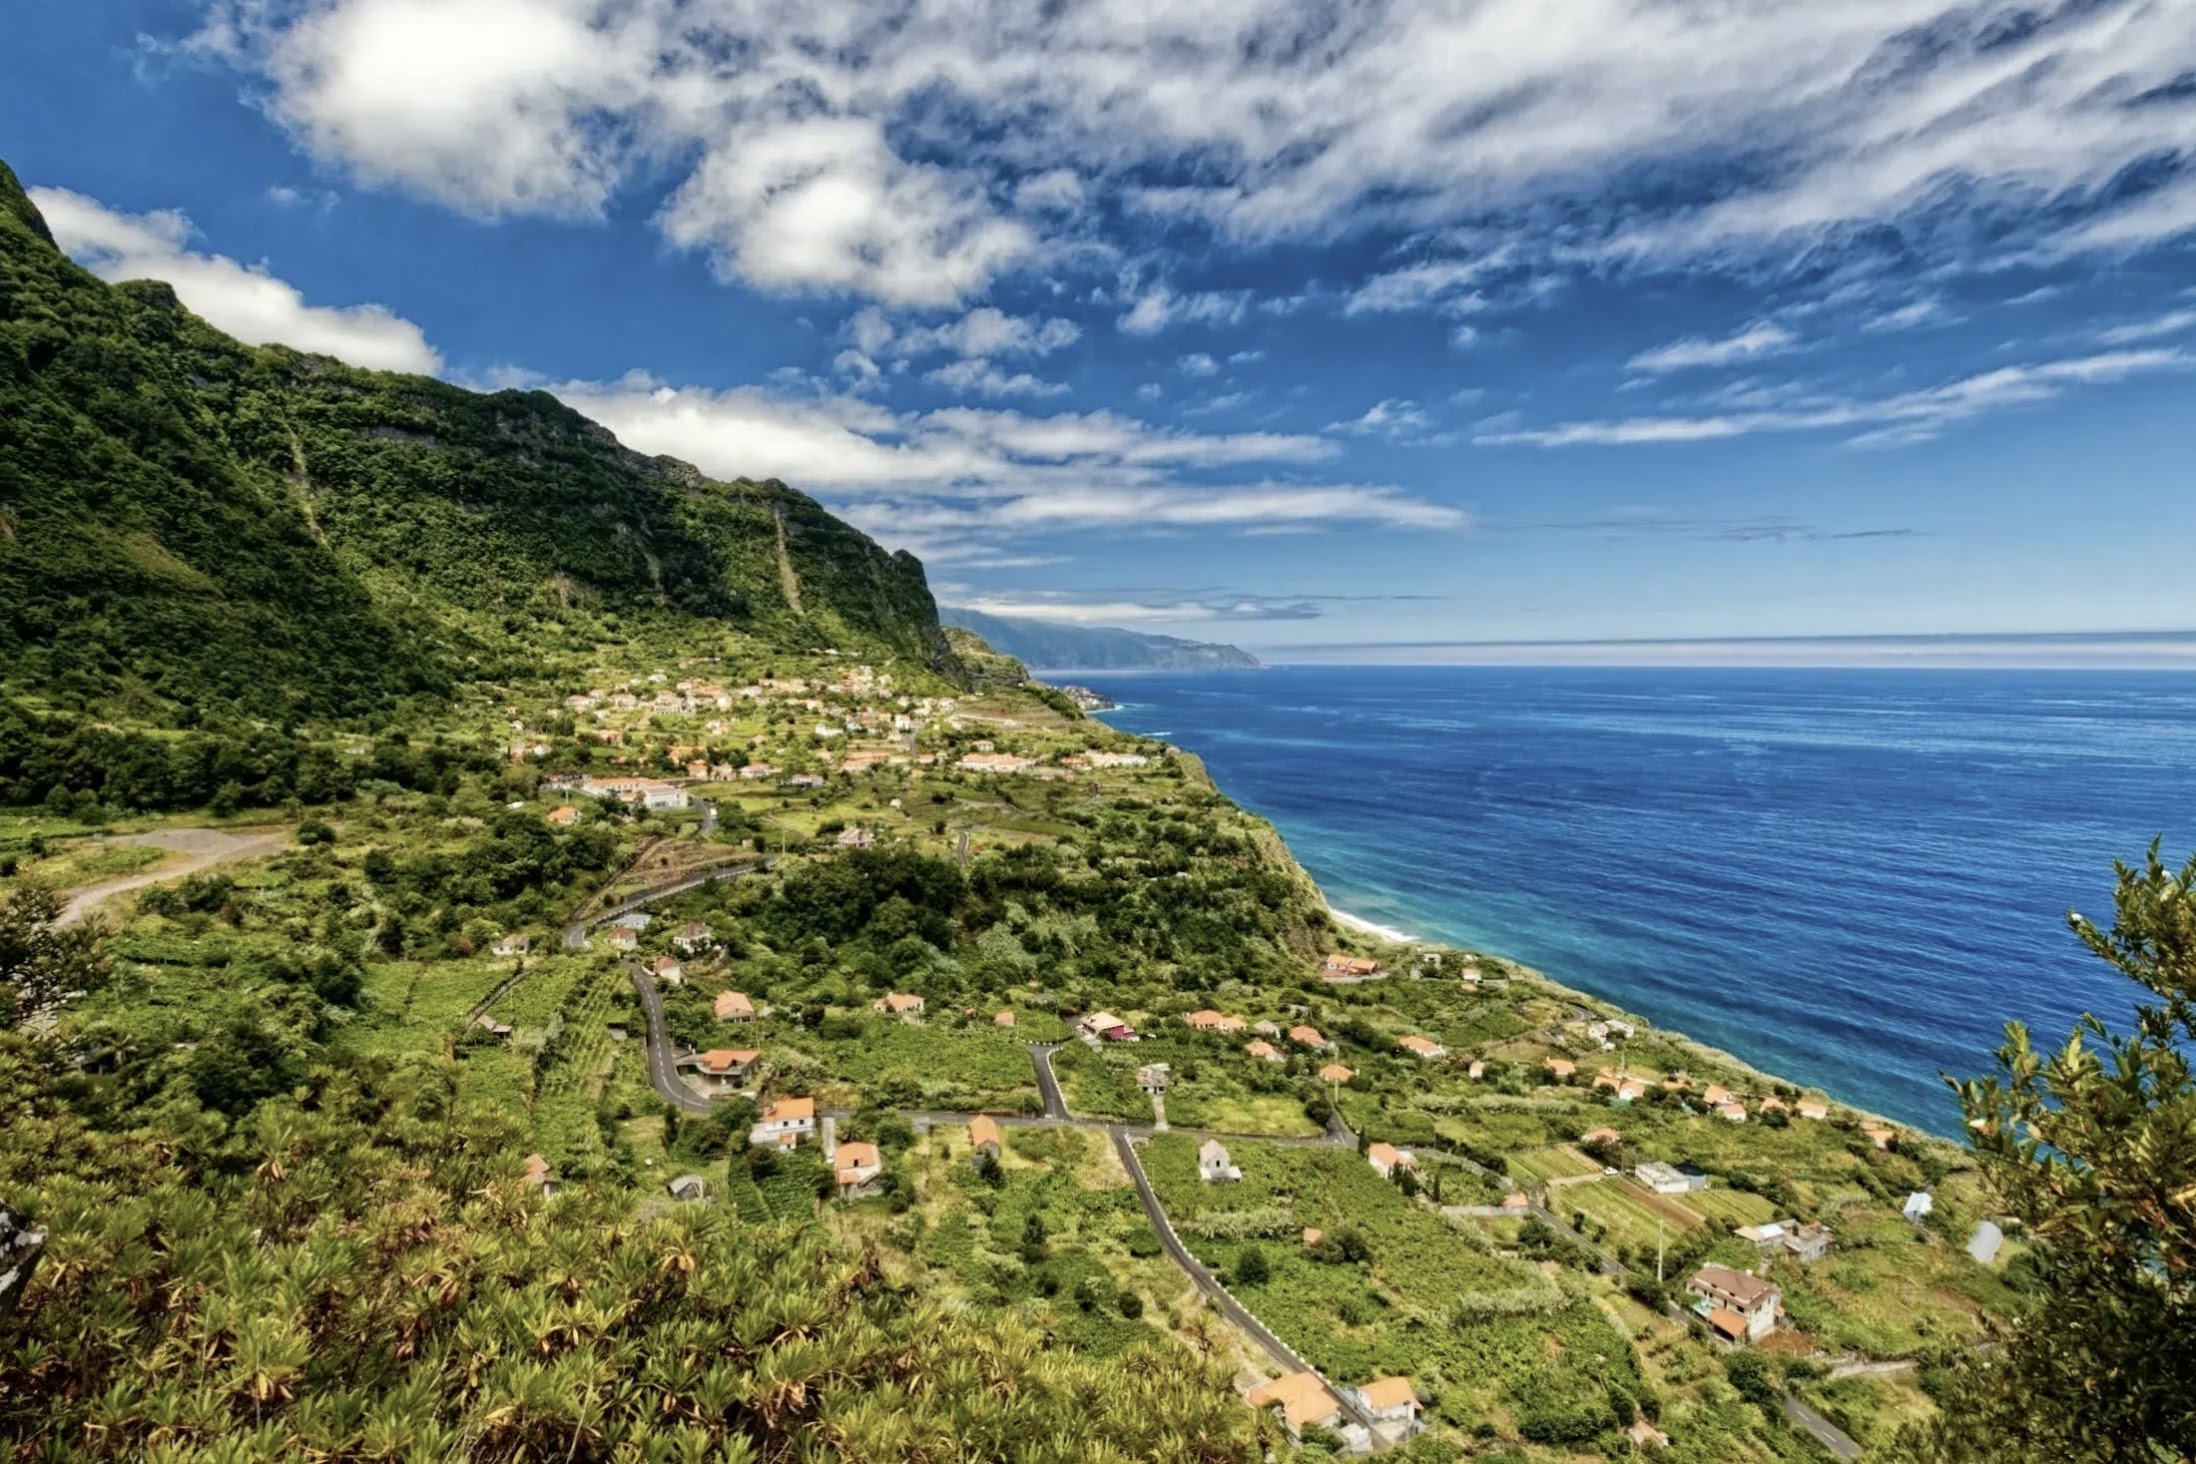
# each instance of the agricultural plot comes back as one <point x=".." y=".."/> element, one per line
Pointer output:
<point x="1560" y="1161"/>
<point x="911" y="1066"/>
<point x="1631" y="1215"/>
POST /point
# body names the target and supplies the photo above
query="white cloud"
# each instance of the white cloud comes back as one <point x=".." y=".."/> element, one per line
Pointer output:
<point x="911" y="152"/>
<point x="1763" y="338"/>
<point x="1436" y="284"/>
<point x="983" y="331"/>
<point x="1159" y="307"/>
<point x="1911" y="316"/>
<point x="1887" y="421"/>
<point x="1197" y="363"/>
<point x="825" y="204"/>
<point x="973" y="374"/>
<point x="2171" y="323"/>
<point x="244" y="300"/>
<point x="1392" y="418"/>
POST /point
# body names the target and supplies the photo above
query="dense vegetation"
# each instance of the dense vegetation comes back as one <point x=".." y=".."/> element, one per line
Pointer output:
<point x="194" y="531"/>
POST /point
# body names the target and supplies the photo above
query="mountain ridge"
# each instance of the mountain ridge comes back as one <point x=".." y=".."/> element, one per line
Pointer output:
<point x="190" y="526"/>
<point x="1052" y="647"/>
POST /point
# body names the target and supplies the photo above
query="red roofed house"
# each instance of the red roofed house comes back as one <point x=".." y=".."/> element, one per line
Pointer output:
<point x="855" y="1168"/>
<point x="784" y="1123"/>
<point x="1211" y="1021"/>
<point x="565" y="816"/>
<point x="669" y="971"/>
<point x="1003" y="1019"/>
<point x="1418" y="1046"/>
<point x="721" y="1069"/>
<point x="1106" y="1027"/>
<point x="902" y="1005"/>
<point x="1389" y="1400"/>
<point x="1304" y="1036"/>
<point x="1350" y="968"/>
<point x="1559" y="1067"/>
<point x="983" y="1135"/>
<point x="734" y="1006"/>
<point x="1264" y="1051"/>
<point x="1303" y="1400"/>
<point x="1334" y="1072"/>
<point x="1753" y="1299"/>
<point x="1386" y="1158"/>
<point x="538" y="1175"/>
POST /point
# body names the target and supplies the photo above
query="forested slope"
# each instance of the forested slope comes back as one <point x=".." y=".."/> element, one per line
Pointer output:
<point x="191" y="528"/>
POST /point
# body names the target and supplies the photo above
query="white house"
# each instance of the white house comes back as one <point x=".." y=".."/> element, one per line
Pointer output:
<point x="1738" y="1304"/>
<point x="1212" y="1163"/>
<point x="1670" y="1179"/>
<point x="1918" y="1206"/>
<point x="785" y="1123"/>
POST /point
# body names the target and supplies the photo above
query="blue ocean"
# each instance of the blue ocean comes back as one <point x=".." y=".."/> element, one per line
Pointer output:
<point x="1851" y="878"/>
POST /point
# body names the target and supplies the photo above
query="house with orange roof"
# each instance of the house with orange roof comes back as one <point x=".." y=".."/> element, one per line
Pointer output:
<point x="1003" y="1018"/>
<point x="1212" y="1021"/>
<point x="539" y="1177"/>
<point x="855" y="1167"/>
<point x="983" y="1135"/>
<point x="1388" y="1400"/>
<point x="1602" y="1135"/>
<point x="1630" y="1090"/>
<point x="1813" y="1108"/>
<point x="1302" y="1400"/>
<point x="1517" y="1202"/>
<point x="784" y="1123"/>
<point x="1421" y="1047"/>
<point x="1342" y="969"/>
<point x="1879" y="1135"/>
<point x="1386" y="1159"/>
<point x="1755" y="1300"/>
<point x="1304" y="1036"/>
<point x="721" y="1069"/>
<point x="564" y="815"/>
<point x="734" y="1006"/>
<point x="669" y="971"/>
<point x="1732" y="1112"/>
<point x="1715" y="1095"/>
<point x="1264" y="1051"/>
<point x="1335" y="1072"/>
<point x="904" y="1005"/>
<point x="1105" y="1027"/>
<point x="1559" y="1067"/>
<point x="1313" y="1235"/>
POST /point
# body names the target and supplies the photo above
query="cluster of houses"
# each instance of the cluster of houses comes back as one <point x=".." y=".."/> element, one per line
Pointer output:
<point x="1375" y="1414"/>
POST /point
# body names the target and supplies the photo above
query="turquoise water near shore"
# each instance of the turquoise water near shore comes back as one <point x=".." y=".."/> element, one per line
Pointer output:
<point x="1850" y="878"/>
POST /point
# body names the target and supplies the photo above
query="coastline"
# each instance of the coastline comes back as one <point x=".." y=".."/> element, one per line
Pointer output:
<point x="1606" y="1008"/>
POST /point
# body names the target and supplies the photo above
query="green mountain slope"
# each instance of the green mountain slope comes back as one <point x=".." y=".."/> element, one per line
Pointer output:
<point x="191" y="527"/>
<point x="1098" y="648"/>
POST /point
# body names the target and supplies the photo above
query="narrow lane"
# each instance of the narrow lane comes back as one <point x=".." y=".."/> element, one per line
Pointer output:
<point x="1048" y="1086"/>
<point x="1209" y="1285"/>
<point x="1825" y="1432"/>
<point x="663" y="1076"/>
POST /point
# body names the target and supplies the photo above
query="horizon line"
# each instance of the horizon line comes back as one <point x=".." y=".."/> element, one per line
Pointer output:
<point x="2165" y="650"/>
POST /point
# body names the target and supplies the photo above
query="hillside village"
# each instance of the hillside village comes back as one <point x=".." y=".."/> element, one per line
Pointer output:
<point x="1507" y="1150"/>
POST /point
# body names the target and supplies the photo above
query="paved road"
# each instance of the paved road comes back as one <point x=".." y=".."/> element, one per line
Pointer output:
<point x="1206" y="1283"/>
<point x="201" y="849"/>
<point x="1826" y="1433"/>
<point x="1056" y="1107"/>
<point x="663" y="1074"/>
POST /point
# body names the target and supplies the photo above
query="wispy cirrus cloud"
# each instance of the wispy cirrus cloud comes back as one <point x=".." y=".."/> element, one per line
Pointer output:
<point x="1903" y="417"/>
<point x="1752" y="343"/>
<point x="915" y="153"/>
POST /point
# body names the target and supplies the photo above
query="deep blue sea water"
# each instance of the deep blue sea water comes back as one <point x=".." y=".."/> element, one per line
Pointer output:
<point x="1850" y="878"/>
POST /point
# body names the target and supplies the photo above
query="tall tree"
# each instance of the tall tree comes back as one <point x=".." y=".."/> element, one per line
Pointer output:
<point x="2092" y="1149"/>
<point x="42" y="964"/>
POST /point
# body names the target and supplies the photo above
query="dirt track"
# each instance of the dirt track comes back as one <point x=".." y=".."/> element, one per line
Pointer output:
<point x="198" y="849"/>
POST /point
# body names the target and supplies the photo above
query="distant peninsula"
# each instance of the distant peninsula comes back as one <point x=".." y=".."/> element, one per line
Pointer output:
<point x="1049" y="646"/>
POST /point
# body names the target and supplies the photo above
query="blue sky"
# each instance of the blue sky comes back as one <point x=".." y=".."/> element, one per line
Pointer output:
<point x="1301" y="325"/>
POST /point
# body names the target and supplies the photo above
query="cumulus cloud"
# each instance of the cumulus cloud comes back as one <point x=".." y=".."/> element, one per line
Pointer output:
<point x="1885" y="421"/>
<point x="1763" y="338"/>
<point x="913" y="152"/>
<point x="974" y="374"/>
<point x="983" y="331"/>
<point x="1197" y="363"/>
<point x="245" y="300"/>
<point x="1156" y="308"/>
